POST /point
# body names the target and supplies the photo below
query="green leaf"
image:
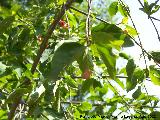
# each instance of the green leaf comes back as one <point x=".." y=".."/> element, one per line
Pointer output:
<point x="139" y="75"/>
<point x="90" y="84"/>
<point x="108" y="58"/>
<point x="106" y="37"/>
<point x="155" y="115"/>
<point x="2" y="68"/>
<point x="120" y="83"/>
<point x="106" y="32"/>
<point x="156" y="8"/>
<point x="85" y="62"/>
<point x="137" y="93"/>
<point x="130" y="67"/>
<point x="155" y="56"/>
<point x="60" y="2"/>
<point x="6" y="23"/>
<point x="124" y="55"/>
<point x="3" y="115"/>
<point x="70" y="82"/>
<point x="64" y="56"/>
<point x="154" y="75"/>
<point x="131" y="30"/>
<point x="122" y="10"/>
<point x="16" y="94"/>
<point x="85" y="106"/>
<point x="72" y="19"/>
<point x="113" y="8"/>
<point x="79" y="1"/>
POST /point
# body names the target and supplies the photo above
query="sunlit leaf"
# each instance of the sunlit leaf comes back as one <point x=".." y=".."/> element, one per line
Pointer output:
<point x="154" y="75"/>
<point x="131" y="31"/>
<point x="113" y="8"/>
<point x="122" y="10"/>
<point x="85" y="106"/>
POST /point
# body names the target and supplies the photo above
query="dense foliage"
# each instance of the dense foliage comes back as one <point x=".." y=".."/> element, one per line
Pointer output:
<point x="77" y="75"/>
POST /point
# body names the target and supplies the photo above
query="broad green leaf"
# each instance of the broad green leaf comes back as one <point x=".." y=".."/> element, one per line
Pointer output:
<point x="2" y="68"/>
<point x="110" y="32"/>
<point x="122" y="10"/>
<point x="79" y="1"/>
<point x="70" y="82"/>
<point x="89" y="84"/>
<point x="103" y="90"/>
<point x="108" y="58"/>
<point x="64" y="56"/>
<point x="155" y="115"/>
<point x="112" y="109"/>
<point x="113" y="8"/>
<point x="154" y="75"/>
<point x="155" y="56"/>
<point x="85" y="62"/>
<point x="60" y="2"/>
<point x="130" y="67"/>
<point x="108" y="36"/>
<point x="124" y="55"/>
<point x="137" y="93"/>
<point x="6" y="23"/>
<point x="3" y="115"/>
<point x="125" y="20"/>
<point x="131" y="31"/>
<point x="108" y="28"/>
<point x="72" y="19"/>
<point x="139" y="75"/>
<point x="16" y="94"/>
<point x="120" y="83"/>
<point x="156" y="8"/>
<point x="85" y="106"/>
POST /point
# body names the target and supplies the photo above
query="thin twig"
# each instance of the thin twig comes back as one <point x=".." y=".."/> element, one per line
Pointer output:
<point x="143" y="53"/>
<point x="155" y="18"/>
<point x="88" y="23"/>
<point x="149" y="55"/>
<point x="151" y="19"/>
<point x="44" y="116"/>
<point x="86" y="14"/>
<point x="155" y="28"/>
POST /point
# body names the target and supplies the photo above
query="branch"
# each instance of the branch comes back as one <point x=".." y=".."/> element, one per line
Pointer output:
<point x="40" y="52"/>
<point x="151" y="19"/>
<point x="155" y="18"/>
<point x="49" y="33"/>
<point x="86" y="14"/>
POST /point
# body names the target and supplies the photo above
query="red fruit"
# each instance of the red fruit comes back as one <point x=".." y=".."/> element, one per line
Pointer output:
<point x="63" y="24"/>
<point x="86" y="74"/>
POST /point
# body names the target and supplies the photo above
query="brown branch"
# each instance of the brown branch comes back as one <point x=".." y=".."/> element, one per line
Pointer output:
<point x="40" y="52"/>
<point x="49" y="33"/>
<point x="13" y="108"/>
